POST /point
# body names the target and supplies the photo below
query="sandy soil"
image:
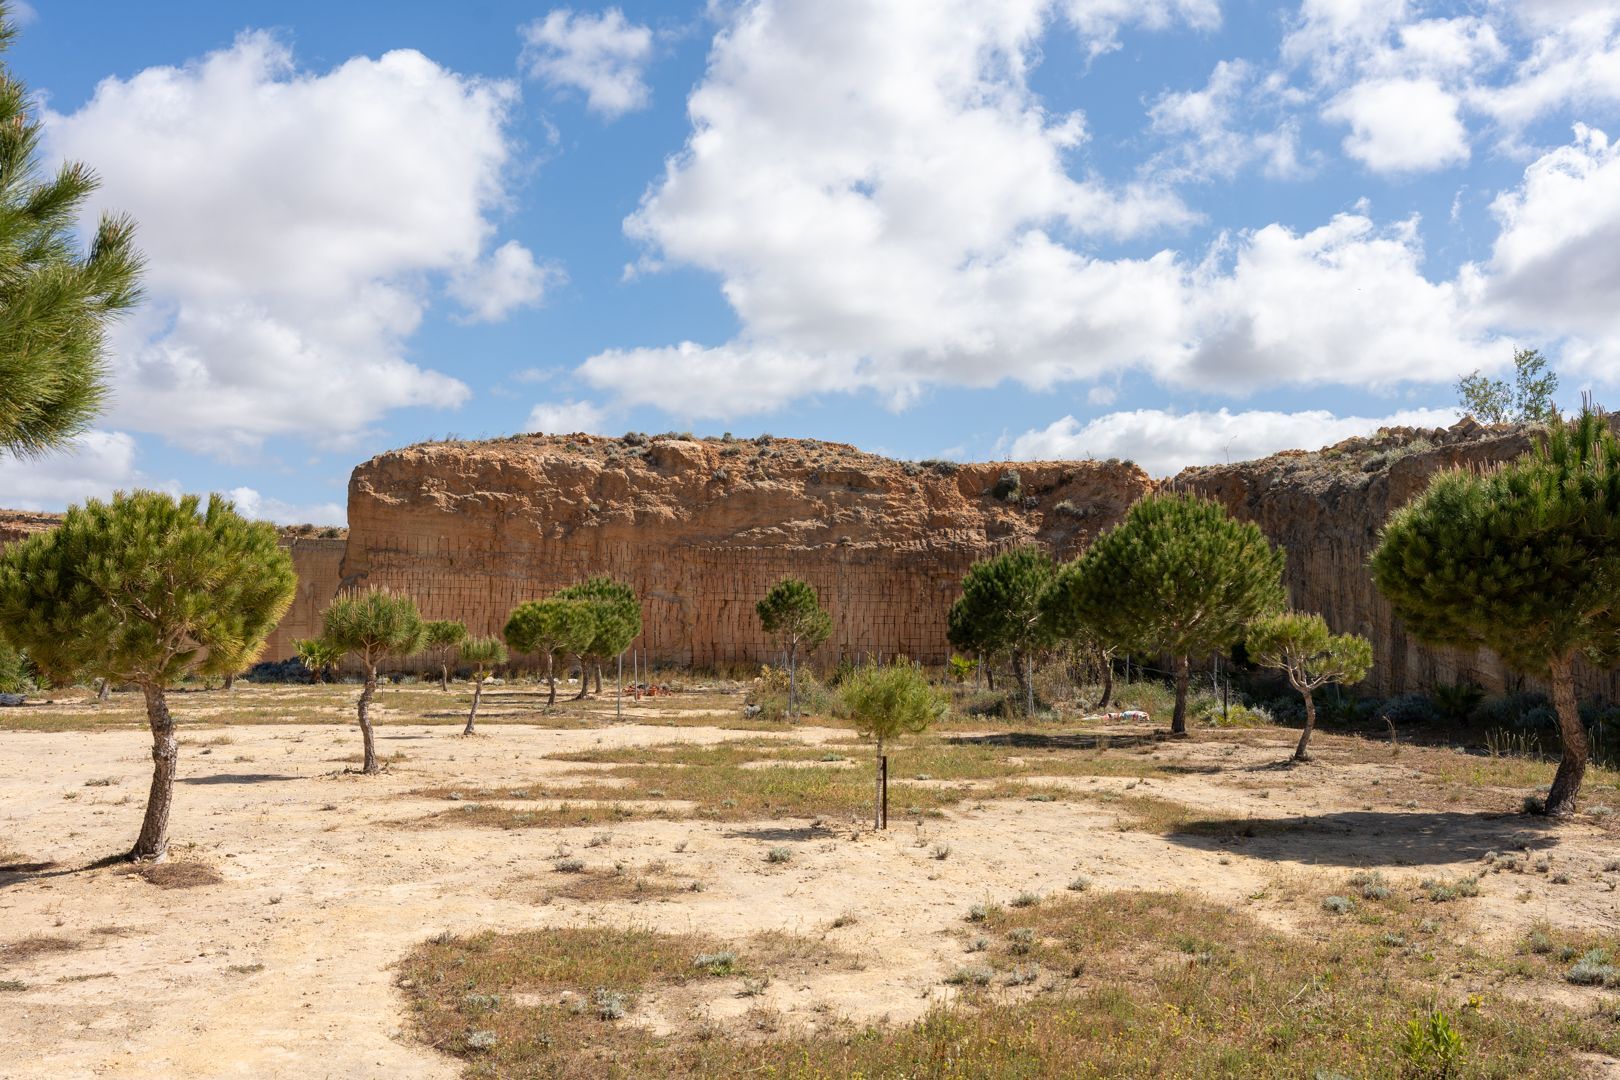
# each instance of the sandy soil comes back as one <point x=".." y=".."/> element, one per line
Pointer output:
<point x="284" y="969"/>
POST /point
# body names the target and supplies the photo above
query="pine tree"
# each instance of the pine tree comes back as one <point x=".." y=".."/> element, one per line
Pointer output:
<point x="618" y="621"/>
<point x="885" y="703"/>
<point x="440" y="637"/>
<point x="1303" y="648"/>
<point x="145" y="589"/>
<point x="1177" y="577"/>
<point x="55" y="304"/>
<point x="793" y="615"/>
<point x="482" y="653"/>
<point x="372" y="626"/>
<point x="1528" y="400"/>
<point x="1001" y="611"/>
<point x="553" y="628"/>
<point x="1524" y="560"/>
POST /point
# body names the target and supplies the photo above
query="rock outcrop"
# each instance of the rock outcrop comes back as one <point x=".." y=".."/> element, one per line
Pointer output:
<point x="702" y="528"/>
<point x="1327" y="507"/>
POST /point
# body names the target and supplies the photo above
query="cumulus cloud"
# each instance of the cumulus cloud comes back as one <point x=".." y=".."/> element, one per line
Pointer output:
<point x="567" y="417"/>
<point x="256" y="507"/>
<point x="1555" y="266"/>
<point x="294" y="224"/>
<point x="93" y="465"/>
<point x="1572" y="59"/>
<point x="1100" y="21"/>
<point x="1208" y="136"/>
<point x="1164" y="442"/>
<point x="604" y="56"/>
<point x="1401" y="125"/>
<point x="497" y="286"/>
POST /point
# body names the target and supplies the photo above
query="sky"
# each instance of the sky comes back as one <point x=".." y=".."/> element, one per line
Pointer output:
<point x="1175" y="231"/>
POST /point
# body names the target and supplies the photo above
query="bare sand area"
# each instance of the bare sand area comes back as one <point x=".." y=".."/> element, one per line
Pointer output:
<point x="286" y="966"/>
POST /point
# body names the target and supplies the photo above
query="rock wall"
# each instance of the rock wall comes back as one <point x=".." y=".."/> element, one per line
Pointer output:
<point x="701" y="528"/>
<point x="318" y="562"/>
<point x="1326" y="508"/>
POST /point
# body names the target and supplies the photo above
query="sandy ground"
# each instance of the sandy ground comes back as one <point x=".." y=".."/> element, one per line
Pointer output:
<point x="326" y="892"/>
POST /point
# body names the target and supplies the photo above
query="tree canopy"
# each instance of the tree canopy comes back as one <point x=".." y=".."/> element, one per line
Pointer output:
<point x="440" y="637"/>
<point x="1001" y="611"/>
<point x="372" y="626"/>
<point x="1524" y="560"/>
<point x="617" y="615"/>
<point x="55" y="303"/>
<point x="792" y="613"/>
<point x="145" y="589"/>
<point x="1311" y="656"/>
<point x="1528" y="399"/>
<point x="887" y="701"/>
<point x="1177" y="577"/>
<point x="482" y="654"/>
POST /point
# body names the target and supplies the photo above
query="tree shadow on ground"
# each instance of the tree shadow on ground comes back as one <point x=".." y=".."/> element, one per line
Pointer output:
<point x="236" y="778"/>
<point x="21" y="873"/>
<point x="1369" y="838"/>
<point x="1029" y="740"/>
<point x="806" y="832"/>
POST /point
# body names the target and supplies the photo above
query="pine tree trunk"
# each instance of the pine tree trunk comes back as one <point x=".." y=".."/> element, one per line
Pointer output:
<point x="1029" y="685"/>
<point x="1566" y="786"/>
<point x="1302" y="751"/>
<point x="230" y="683"/>
<point x="551" y="677"/>
<point x="1108" y="684"/>
<point x="793" y="681"/>
<point x="584" y="679"/>
<point x="1178" y="722"/>
<point x="153" y="843"/>
<point x="1018" y="672"/>
<point x="104" y="691"/>
<point x="444" y="676"/>
<point x="369" y="765"/>
<point x="478" y="693"/>
<point x="989" y="677"/>
<point x="598" y="667"/>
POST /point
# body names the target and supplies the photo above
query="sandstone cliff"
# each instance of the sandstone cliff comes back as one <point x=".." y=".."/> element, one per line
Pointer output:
<point x="702" y="528"/>
<point x="1327" y="507"/>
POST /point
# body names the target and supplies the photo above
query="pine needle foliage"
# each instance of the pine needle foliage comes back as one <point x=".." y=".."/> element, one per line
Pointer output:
<point x="885" y="702"/>
<point x="1303" y="648"/>
<point x="440" y="637"/>
<point x="55" y="302"/>
<point x="554" y="629"/>
<point x="318" y="656"/>
<point x="146" y="589"/>
<point x="618" y="621"/>
<point x="482" y="654"/>
<point x="371" y="627"/>
<point x="792" y="614"/>
<point x="1178" y="577"/>
<point x="1001" y="610"/>
<point x="1523" y="560"/>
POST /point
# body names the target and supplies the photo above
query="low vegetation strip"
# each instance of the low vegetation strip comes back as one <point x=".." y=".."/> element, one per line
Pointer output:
<point x="1127" y="984"/>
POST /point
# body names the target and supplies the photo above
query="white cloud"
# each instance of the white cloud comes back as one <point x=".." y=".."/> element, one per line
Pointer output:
<point x="1164" y="442"/>
<point x="567" y="417"/>
<point x="1345" y="303"/>
<point x="293" y="223"/>
<point x="507" y="280"/>
<point x="256" y="507"/>
<point x="94" y="465"/>
<point x="605" y="56"/>
<point x="1207" y="139"/>
<point x="1401" y="125"/>
<point x="1100" y="21"/>
<point x="1573" y="59"/>
<point x="1555" y="266"/>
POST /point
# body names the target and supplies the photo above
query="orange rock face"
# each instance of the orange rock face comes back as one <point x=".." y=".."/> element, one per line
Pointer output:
<point x="701" y="528"/>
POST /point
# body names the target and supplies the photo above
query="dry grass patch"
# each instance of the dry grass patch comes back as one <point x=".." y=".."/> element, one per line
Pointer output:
<point x="37" y="945"/>
<point x="651" y="882"/>
<point x="1120" y="984"/>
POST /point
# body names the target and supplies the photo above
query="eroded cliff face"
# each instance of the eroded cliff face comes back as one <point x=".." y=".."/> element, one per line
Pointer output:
<point x="1327" y="507"/>
<point x="701" y="528"/>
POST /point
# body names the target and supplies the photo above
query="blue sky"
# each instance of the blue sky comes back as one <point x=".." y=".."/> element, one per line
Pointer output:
<point x="1171" y="230"/>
